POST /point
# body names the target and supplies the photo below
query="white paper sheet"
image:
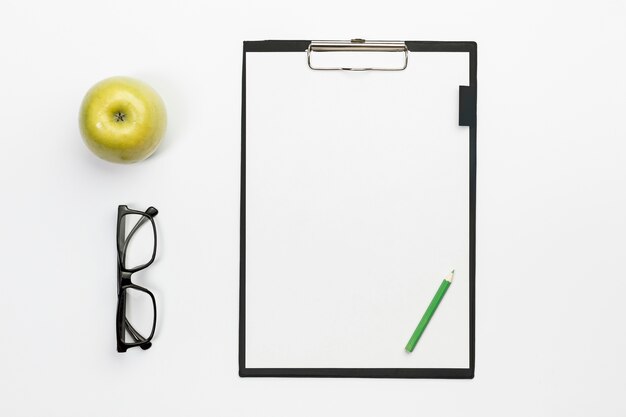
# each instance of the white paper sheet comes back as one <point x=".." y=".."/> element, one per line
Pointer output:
<point x="357" y="206"/>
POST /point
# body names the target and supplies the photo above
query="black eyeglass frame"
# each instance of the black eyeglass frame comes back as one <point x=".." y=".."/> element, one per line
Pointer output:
<point x="122" y="325"/>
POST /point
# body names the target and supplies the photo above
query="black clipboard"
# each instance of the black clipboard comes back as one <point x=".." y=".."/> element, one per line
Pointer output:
<point x="467" y="117"/>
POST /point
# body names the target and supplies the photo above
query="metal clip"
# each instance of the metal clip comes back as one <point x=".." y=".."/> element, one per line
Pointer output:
<point x="358" y="45"/>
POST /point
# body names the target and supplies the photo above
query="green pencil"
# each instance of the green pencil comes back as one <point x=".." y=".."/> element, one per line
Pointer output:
<point x="428" y="314"/>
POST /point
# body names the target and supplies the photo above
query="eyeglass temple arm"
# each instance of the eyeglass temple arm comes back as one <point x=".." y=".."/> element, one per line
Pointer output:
<point x="137" y="337"/>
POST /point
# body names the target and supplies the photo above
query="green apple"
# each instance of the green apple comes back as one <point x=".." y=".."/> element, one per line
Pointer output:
<point x="122" y="120"/>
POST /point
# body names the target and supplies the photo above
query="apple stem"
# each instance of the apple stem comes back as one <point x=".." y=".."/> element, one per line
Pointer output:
<point x="119" y="116"/>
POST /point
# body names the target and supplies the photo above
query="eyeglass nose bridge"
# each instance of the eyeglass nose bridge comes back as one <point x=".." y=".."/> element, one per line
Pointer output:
<point x="125" y="277"/>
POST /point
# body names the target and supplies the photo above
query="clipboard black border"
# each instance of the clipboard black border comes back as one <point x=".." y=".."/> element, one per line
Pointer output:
<point x="469" y="118"/>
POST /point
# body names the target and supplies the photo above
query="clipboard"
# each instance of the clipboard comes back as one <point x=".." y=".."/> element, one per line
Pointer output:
<point x="358" y="195"/>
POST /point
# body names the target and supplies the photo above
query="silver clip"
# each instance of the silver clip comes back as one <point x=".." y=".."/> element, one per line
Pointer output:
<point x="358" y="45"/>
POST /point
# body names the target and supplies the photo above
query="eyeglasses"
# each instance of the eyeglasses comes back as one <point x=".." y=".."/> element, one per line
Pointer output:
<point x="136" y="306"/>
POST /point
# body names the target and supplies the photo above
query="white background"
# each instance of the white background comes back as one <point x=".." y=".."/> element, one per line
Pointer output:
<point x="550" y="336"/>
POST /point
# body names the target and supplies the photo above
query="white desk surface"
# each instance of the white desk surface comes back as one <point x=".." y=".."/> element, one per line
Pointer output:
<point x="550" y="336"/>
